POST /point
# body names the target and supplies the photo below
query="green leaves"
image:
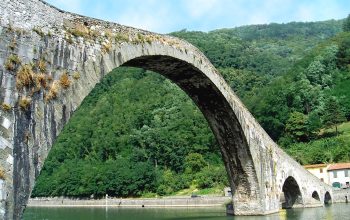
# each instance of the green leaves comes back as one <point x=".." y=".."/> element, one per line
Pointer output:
<point x="132" y="126"/>
<point x="346" y="24"/>
<point x="333" y="113"/>
<point x="297" y="126"/>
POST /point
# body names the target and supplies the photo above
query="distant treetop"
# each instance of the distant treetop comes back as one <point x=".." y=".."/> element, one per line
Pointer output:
<point x="346" y="24"/>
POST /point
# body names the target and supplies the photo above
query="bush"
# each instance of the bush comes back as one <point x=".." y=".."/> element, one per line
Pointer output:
<point x="65" y="81"/>
<point x="194" y="162"/>
<point x="211" y="177"/>
<point x="25" y="76"/>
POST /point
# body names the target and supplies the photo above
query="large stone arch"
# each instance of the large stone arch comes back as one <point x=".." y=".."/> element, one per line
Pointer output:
<point x="207" y="89"/>
<point x="36" y="128"/>
<point x="218" y="112"/>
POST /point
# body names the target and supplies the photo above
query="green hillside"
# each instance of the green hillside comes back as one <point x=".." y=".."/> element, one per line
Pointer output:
<point x="138" y="134"/>
<point x="325" y="150"/>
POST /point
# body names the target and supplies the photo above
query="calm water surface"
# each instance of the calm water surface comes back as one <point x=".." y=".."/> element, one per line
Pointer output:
<point x="335" y="211"/>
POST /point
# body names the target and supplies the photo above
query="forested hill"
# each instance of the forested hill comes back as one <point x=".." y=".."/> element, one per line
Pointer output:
<point x="269" y="50"/>
<point x="137" y="134"/>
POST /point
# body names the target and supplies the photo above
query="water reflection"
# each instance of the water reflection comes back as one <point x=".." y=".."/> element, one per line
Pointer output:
<point x="335" y="211"/>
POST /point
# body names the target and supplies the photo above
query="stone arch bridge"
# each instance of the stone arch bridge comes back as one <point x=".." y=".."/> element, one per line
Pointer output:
<point x="51" y="59"/>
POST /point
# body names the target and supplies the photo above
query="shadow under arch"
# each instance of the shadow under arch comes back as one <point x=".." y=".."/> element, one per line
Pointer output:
<point x="327" y="198"/>
<point x="292" y="194"/>
<point x="217" y="111"/>
<point x="315" y="195"/>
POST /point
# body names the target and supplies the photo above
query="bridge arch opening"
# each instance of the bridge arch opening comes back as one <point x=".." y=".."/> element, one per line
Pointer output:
<point x="291" y="192"/>
<point x="219" y="114"/>
<point x="315" y="196"/>
<point x="327" y="198"/>
<point x="138" y="82"/>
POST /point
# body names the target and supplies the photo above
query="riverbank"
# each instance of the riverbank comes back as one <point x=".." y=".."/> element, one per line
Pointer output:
<point x="201" y="201"/>
<point x="175" y="201"/>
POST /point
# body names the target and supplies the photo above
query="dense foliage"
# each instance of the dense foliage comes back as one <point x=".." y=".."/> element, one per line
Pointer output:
<point x="138" y="134"/>
<point x="135" y="133"/>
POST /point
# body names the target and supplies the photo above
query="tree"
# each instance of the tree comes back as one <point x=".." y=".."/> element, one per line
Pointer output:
<point x="297" y="126"/>
<point x="343" y="55"/>
<point x="333" y="113"/>
<point x="313" y="124"/>
<point x="346" y="24"/>
<point x="194" y="162"/>
<point x="318" y="73"/>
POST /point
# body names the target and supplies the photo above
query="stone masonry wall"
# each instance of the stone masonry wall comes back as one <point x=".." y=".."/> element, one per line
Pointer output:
<point x="339" y="195"/>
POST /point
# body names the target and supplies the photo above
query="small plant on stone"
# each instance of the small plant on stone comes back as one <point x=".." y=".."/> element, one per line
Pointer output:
<point x="106" y="47"/>
<point x="108" y="34"/>
<point x="93" y="34"/>
<point x="149" y="40"/>
<point x="41" y="65"/>
<point x="140" y="37"/>
<point x="76" y="75"/>
<point x="11" y="62"/>
<point x="13" y="44"/>
<point x="64" y="80"/>
<point x="2" y="174"/>
<point x="24" y="103"/>
<point x="69" y="39"/>
<point x="41" y="79"/>
<point x="9" y="66"/>
<point x="25" y="76"/>
<point x="121" y="37"/>
<point x="39" y="31"/>
<point x="53" y="91"/>
<point x="79" y="30"/>
<point x="10" y="28"/>
<point x="5" y="106"/>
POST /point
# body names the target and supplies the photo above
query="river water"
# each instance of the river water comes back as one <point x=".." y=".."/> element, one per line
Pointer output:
<point x="335" y="211"/>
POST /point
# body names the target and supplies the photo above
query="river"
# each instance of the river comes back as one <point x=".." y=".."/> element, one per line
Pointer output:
<point x="335" y="211"/>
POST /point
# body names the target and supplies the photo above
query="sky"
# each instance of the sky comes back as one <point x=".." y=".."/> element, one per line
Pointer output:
<point x="165" y="16"/>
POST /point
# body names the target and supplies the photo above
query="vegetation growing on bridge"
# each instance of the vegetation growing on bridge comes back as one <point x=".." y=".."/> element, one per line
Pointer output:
<point x="2" y="174"/>
<point x="6" y="106"/>
<point x="138" y="134"/>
